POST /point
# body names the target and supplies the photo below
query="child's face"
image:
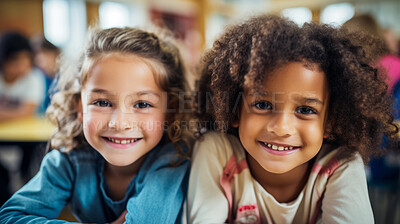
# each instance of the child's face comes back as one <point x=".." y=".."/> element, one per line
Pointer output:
<point x="47" y="61"/>
<point x="123" y="109"/>
<point x="18" y="66"/>
<point x="282" y="126"/>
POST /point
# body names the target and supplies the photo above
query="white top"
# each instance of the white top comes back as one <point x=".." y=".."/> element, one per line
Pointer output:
<point x="339" y="188"/>
<point x="30" y="88"/>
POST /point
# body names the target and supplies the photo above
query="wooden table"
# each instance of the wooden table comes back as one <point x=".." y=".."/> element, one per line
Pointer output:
<point x="29" y="129"/>
<point x="31" y="135"/>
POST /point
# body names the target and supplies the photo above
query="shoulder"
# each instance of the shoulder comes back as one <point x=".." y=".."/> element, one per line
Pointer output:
<point x="213" y="142"/>
<point x="165" y="157"/>
<point x="166" y="151"/>
<point x="218" y="145"/>
<point x="328" y="161"/>
<point x="82" y="155"/>
<point x="73" y="158"/>
<point x="217" y="139"/>
<point x="353" y="168"/>
<point x="346" y="197"/>
<point x="55" y="158"/>
<point x="57" y="164"/>
<point x="333" y="172"/>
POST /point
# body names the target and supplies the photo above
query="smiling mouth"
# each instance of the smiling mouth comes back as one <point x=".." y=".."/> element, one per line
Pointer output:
<point x="279" y="147"/>
<point x="122" y="141"/>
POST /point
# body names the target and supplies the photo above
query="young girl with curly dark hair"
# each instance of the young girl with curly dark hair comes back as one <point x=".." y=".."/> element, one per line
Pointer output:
<point x="299" y="109"/>
<point x="120" y="146"/>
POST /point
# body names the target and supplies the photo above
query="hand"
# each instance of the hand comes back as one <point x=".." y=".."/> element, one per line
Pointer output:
<point x="121" y="218"/>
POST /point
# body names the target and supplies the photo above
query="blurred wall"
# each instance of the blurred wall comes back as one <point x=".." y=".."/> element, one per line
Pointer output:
<point x="24" y="16"/>
<point x="92" y="13"/>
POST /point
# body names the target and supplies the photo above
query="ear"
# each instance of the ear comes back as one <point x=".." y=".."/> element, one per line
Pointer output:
<point x="79" y="110"/>
<point x="235" y="123"/>
<point x="326" y="135"/>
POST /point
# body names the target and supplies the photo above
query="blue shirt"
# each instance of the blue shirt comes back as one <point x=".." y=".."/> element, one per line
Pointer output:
<point x="155" y="194"/>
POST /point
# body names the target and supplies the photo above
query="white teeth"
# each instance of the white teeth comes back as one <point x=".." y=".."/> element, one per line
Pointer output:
<point x="278" y="148"/>
<point x="123" y="142"/>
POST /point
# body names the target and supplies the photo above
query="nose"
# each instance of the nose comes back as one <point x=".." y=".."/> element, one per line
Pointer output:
<point x="121" y="120"/>
<point x="281" y="124"/>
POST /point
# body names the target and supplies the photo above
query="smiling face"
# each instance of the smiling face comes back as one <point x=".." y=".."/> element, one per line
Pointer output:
<point x="122" y="109"/>
<point x="282" y="126"/>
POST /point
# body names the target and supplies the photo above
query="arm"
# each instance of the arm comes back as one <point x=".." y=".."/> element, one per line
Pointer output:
<point x="206" y="200"/>
<point x="24" y="110"/>
<point x="44" y="196"/>
<point x="346" y="198"/>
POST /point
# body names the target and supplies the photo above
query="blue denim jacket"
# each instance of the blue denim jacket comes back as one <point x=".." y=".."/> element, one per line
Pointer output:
<point x="155" y="194"/>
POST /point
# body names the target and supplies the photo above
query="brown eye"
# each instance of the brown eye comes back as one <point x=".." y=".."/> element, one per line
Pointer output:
<point x="102" y="103"/>
<point x="142" y="105"/>
<point x="263" y="105"/>
<point x="306" y="110"/>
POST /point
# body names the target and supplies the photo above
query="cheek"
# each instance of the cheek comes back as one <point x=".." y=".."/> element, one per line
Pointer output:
<point x="94" y="122"/>
<point x="153" y="124"/>
<point x="313" y="134"/>
<point x="251" y="123"/>
<point x="249" y="128"/>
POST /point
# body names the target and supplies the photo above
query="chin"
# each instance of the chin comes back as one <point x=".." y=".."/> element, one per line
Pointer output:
<point x="119" y="161"/>
<point x="276" y="169"/>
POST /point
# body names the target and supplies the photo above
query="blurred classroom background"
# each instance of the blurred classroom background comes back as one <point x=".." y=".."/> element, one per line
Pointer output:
<point x="59" y="26"/>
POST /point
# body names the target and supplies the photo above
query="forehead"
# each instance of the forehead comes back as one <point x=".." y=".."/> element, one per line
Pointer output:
<point x="121" y="73"/>
<point x="21" y="55"/>
<point x="292" y="78"/>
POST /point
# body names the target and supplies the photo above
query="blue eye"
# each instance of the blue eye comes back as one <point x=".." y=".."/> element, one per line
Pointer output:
<point x="263" y="105"/>
<point x="102" y="103"/>
<point x="142" y="105"/>
<point x="306" y="110"/>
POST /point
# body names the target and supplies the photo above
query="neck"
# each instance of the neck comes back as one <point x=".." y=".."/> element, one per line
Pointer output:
<point x="119" y="177"/>
<point x="123" y="171"/>
<point x="283" y="187"/>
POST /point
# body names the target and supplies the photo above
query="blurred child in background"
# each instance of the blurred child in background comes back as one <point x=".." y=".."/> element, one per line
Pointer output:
<point x="46" y="55"/>
<point x="386" y="55"/>
<point x="22" y="88"/>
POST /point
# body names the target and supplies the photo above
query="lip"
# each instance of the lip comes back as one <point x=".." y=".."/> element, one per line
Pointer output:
<point x="121" y="146"/>
<point x="279" y="153"/>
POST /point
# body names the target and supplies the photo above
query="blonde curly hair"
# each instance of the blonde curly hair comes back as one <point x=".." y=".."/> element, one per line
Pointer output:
<point x="161" y="53"/>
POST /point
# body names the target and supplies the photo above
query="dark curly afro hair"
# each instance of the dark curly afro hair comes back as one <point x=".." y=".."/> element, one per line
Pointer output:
<point x="360" y="109"/>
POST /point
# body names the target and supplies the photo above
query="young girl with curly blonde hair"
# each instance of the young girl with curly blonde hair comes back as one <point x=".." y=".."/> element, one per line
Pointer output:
<point x="119" y="137"/>
<point x="300" y="109"/>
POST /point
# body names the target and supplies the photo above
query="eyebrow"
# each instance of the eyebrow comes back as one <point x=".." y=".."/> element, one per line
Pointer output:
<point x="299" y="98"/>
<point x="314" y="100"/>
<point x="102" y="91"/>
<point x="309" y="100"/>
<point x="259" y="93"/>
<point x="140" y="93"/>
